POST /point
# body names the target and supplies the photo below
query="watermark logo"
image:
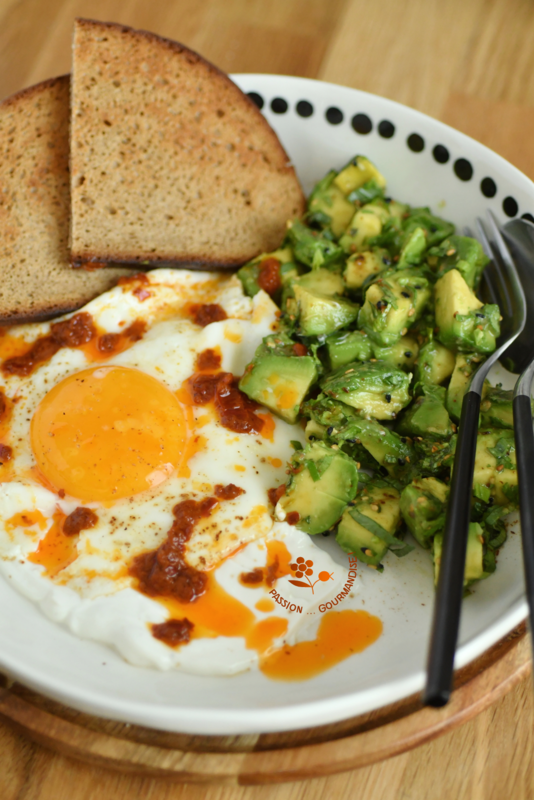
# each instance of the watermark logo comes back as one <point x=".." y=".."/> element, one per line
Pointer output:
<point x="303" y="569"/>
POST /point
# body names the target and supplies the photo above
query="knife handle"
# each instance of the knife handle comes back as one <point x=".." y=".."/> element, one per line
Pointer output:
<point x="450" y="589"/>
<point x="524" y="447"/>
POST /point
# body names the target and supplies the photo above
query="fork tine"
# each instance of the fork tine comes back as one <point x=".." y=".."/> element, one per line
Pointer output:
<point x="504" y="270"/>
<point x="486" y="244"/>
<point x="500" y="243"/>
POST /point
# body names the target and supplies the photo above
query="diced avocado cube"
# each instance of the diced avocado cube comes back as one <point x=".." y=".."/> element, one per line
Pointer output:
<point x="462" y="253"/>
<point x="356" y="173"/>
<point x="250" y="273"/>
<point x="398" y="211"/>
<point x="413" y="249"/>
<point x="463" y="369"/>
<point x="346" y="346"/>
<point x="361" y="266"/>
<point x="377" y="390"/>
<point x="436" y="229"/>
<point x="323" y="482"/>
<point x="314" y="431"/>
<point x="463" y="322"/>
<point x="321" y="280"/>
<point x="392" y="304"/>
<point x="367" y="528"/>
<point x="423" y="504"/>
<point x="311" y="247"/>
<point x="427" y="416"/>
<point x="402" y="354"/>
<point x="365" y="225"/>
<point x="328" y="207"/>
<point x="435" y="364"/>
<point x="279" y="378"/>
<point x="320" y="314"/>
<point x="495" y="463"/>
<point x="329" y="412"/>
<point x="390" y="450"/>
<point x="474" y="560"/>
<point x="496" y="408"/>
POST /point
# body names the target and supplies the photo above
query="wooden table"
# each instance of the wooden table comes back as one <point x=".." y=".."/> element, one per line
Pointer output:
<point x="467" y="62"/>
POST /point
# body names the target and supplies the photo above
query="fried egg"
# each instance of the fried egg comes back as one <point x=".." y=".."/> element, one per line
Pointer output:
<point x="100" y="430"/>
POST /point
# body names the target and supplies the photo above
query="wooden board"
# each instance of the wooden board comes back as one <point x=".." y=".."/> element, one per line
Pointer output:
<point x="268" y="758"/>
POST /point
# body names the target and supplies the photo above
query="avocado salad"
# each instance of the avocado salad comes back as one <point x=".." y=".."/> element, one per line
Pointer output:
<point x="380" y="330"/>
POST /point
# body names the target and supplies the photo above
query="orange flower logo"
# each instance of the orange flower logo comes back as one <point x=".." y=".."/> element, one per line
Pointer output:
<point x="303" y="569"/>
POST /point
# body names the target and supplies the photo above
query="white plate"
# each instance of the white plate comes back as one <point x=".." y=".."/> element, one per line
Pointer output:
<point x="94" y="679"/>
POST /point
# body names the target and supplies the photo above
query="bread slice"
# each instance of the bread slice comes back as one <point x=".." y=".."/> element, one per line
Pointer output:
<point x="36" y="280"/>
<point x="170" y="162"/>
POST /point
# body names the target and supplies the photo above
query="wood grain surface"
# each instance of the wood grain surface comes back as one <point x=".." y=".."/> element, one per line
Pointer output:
<point x="467" y="62"/>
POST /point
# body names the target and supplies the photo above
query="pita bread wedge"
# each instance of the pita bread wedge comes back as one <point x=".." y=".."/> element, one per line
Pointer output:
<point x="171" y="164"/>
<point x="36" y="280"/>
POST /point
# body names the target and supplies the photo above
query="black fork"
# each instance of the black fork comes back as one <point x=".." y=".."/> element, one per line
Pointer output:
<point x="501" y="285"/>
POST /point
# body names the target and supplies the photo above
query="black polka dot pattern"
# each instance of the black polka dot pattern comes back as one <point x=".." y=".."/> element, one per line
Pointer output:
<point x="528" y="217"/>
<point x="257" y="99"/>
<point x="334" y="115"/>
<point x="304" y="108"/>
<point x="362" y="124"/>
<point x="415" y="142"/>
<point x="386" y="129"/>
<point x="279" y="105"/>
<point x="441" y="154"/>
<point x="463" y="169"/>
<point x="488" y="187"/>
<point x="510" y="207"/>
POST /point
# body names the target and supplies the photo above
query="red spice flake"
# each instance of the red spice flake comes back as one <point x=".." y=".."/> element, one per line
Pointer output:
<point x="6" y="453"/>
<point x="252" y="578"/>
<point x="229" y="492"/>
<point x="293" y="517"/>
<point x="139" y="277"/>
<point x="202" y="388"/>
<point x="206" y="313"/>
<point x="73" y="332"/>
<point x="235" y="410"/>
<point x="61" y="493"/>
<point x="81" y="519"/>
<point x="276" y="493"/>
<point x="208" y="361"/>
<point x="142" y="294"/>
<point x="300" y="349"/>
<point x="108" y="342"/>
<point x="4" y="405"/>
<point x="173" y="632"/>
<point x="111" y="342"/>
<point x="164" y="571"/>
<point x="269" y="277"/>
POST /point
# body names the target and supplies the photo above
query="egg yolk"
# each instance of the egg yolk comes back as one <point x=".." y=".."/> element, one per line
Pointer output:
<point x="108" y="432"/>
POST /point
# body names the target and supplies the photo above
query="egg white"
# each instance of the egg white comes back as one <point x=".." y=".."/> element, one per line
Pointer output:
<point x="92" y="596"/>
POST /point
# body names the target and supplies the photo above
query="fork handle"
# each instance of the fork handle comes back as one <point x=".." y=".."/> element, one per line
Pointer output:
<point x="524" y="446"/>
<point x="449" y="592"/>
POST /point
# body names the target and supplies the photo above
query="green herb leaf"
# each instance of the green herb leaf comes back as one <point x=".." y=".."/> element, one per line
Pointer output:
<point x="377" y="530"/>
<point x="312" y="469"/>
<point x="482" y="492"/>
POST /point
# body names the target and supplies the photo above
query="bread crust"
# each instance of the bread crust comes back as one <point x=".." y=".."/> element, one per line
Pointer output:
<point x="36" y="281"/>
<point x="253" y="189"/>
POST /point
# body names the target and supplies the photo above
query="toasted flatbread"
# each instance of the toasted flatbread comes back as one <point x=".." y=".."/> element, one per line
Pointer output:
<point x="36" y="280"/>
<point x="171" y="163"/>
